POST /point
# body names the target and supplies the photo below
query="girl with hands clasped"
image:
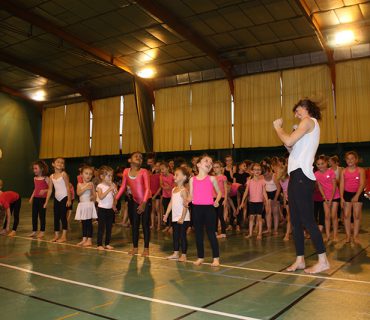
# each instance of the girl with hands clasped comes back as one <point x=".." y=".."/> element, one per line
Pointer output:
<point x="204" y="213"/>
<point x="180" y="214"/>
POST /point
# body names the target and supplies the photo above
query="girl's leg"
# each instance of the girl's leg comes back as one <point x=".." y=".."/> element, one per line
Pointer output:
<point x="42" y="215"/>
<point x="84" y="237"/>
<point x="276" y="214"/>
<point x="89" y="233"/>
<point x="334" y="216"/>
<point x="357" y="213"/>
<point x="199" y="221"/>
<point x="184" y="240"/>
<point x="109" y="218"/>
<point x="251" y="224"/>
<point x="35" y="214"/>
<point x="210" y="214"/>
<point x="288" y="225"/>
<point x="158" y="213"/>
<point x="57" y="205"/>
<point x="176" y="241"/>
<point x="268" y="209"/>
<point x="135" y="223"/>
<point x="347" y="220"/>
<point x="259" y="222"/>
<point x="101" y="227"/>
<point x="152" y="215"/>
<point x="15" y="209"/>
<point x="145" y="222"/>
<point x="63" y="218"/>
<point x="327" y="221"/>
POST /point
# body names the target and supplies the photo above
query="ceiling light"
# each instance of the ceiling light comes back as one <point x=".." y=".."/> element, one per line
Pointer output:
<point x="39" y="95"/>
<point x="344" y="37"/>
<point x="146" y="73"/>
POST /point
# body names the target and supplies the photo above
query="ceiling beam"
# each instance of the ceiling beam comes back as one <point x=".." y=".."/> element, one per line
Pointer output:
<point x="19" y="94"/>
<point x="44" y="73"/>
<point x="174" y="22"/>
<point x="329" y="51"/>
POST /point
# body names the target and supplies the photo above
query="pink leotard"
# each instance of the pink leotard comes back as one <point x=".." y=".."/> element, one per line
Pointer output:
<point x="255" y="190"/>
<point x="234" y="189"/>
<point x="154" y="183"/>
<point x="325" y="179"/>
<point x="351" y="180"/>
<point x="284" y="186"/>
<point x="202" y="191"/>
<point x="139" y="185"/>
<point x="7" y="198"/>
<point x="221" y="179"/>
<point x="39" y="186"/>
<point x="168" y="182"/>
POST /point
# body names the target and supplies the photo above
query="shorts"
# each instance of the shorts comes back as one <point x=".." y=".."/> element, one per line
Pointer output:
<point x="271" y="195"/>
<point x="336" y="200"/>
<point x="158" y="197"/>
<point x="255" y="208"/>
<point x="349" y="195"/>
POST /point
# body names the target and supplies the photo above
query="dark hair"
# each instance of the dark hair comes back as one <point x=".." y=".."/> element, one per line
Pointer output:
<point x="185" y="172"/>
<point x="322" y="157"/>
<point x="87" y="167"/>
<point x="55" y="159"/>
<point x="204" y="155"/>
<point x="43" y="166"/>
<point x="165" y="163"/>
<point x="312" y="108"/>
<point x="135" y="152"/>
<point x="334" y="158"/>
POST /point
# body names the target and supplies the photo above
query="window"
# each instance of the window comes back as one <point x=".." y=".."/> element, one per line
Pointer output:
<point x="121" y="109"/>
<point x="91" y="127"/>
<point x="232" y="119"/>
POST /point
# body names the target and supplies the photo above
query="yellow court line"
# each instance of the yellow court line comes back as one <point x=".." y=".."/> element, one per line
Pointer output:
<point x="68" y="316"/>
<point x="102" y="305"/>
<point x="221" y="265"/>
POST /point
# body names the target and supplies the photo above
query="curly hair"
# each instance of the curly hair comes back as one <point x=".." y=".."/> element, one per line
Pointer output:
<point x="312" y="108"/>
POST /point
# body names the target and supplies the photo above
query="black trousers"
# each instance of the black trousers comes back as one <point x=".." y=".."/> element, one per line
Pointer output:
<point x="60" y="214"/>
<point x="165" y="203"/>
<point x="135" y="219"/>
<point x="204" y="216"/>
<point x="220" y="217"/>
<point x="179" y="236"/>
<point x="14" y="208"/>
<point x="38" y="212"/>
<point x="87" y="228"/>
<point x="105" y="222"/>
<point x="301" y="204"/>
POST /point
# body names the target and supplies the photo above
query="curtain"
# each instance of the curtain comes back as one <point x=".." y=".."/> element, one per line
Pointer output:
<point x="106" y="125"/>
<point x="211" y="115"/>
<point x="257" y="105"/>
<point x="313" y="83"/>
<point x="52" y="134"/>
<point x="131" y="134"/>
<point x="352" y="100"/>
<point x="171" y="125"/>
<point x="77" y="130"/>
<point x="144" y="98"/>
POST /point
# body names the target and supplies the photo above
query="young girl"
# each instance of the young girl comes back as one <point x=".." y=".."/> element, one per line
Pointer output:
<point x="204" y="213"/>
<point x="284" y="182"/>
<point x="10" y="202"/>
<point x="229" y="169"/>
<point x="60" y="180"/>
<point x="273" y="192"/>
<point x="222" y="209"/>
<point x="139" y="206"/>
<point x="106" y="191"/>
<point x="70" y="208"/>
<point x="38" y="197"/>
<point x="86" y="207"/>
<point x="166" y="183"/>
<point x="256" y="189"/>
<point x="327" y="184"/>
<point x="156" y="189"/>
<point x="171" y="166"/>
<point x="180" y="214"/>
<point x="352" y="184"/>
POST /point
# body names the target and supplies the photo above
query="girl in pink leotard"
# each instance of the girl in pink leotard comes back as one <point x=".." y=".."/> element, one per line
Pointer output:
<point x="167" y="183"/>
<point x="139" y="207"/>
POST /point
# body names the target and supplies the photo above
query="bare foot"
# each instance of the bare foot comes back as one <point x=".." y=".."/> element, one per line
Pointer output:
<point x="296" y="266"/>
<point x="40" y="235"/>
<point x="237" y="229"/>
<point x="87" y="243"/>
<point x="182" y="258"/>
<point x="32" y="235"/>
<point x="12" y="233"/>
<point x="3" y="232"/>
<point x="286" y="238"/>
<point x="318" y="267"/>
<point x="100" y="248"/>
<point x="145" y="252"/>
<point x="276" y="233"/>
<point x="216" y="262"/>
<point x="259" y="237"/>
<point x="198" y="262"/>
<point x="220" y="236"/>
<point x="62" y="240"/>
<point x="108" y="247"/>
<point x="248" y="236"/>
<point x="348" y="239"/>
<point x="55" y="239"/>
<point x="335" y="239"/>
<point x="229" y="228"/>
<point x="174" y="256"/>
<point x="356" y="240"/>
<point x="81" y="243"/>
<point x="133" y="251"/>
<point x="267" y="232"/>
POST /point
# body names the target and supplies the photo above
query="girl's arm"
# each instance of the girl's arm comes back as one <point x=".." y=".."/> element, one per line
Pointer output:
<point x="244" y="196"/>
<point x="169" y="208"/>
<point x="361" y="186"/>
<point x="66" y="181"/>
<point x="101" y="194"/>
<point x="290" y="139"/>
<point x="81" y="189"/>
<point x="191" y="189"/>
<point x="184" y="196"/>
<point x="123" y="186"/>
<point x="265" y="193"/>
<point x="341" y="186"/>
<point x="157" y="193"/>
<point x="32" y="195"/>
<point x="219" y="194"/>
<point x="278" y="186"/>
<point x="50" y="190"/>
<point x="321" y="191"/>
<point x="146" y="180"/>
<point x="334" y="186"/>
<point x="93" y="193"/>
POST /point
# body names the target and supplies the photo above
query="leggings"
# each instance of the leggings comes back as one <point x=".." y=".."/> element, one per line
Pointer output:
<point x="319" y="213"/>
<point x="179" y="236"/>
<point x="60" y="214"/>
<point x="220" y="217"/>
<point x="135" y="222"/>
<point x="166" y="202"/>
<point x="38" y="212"/>
<point x="300" y="193"/>
<point x="87" y="228"/>
<point x="14" y="208"/>
<point x="205" y="216"/>
<point x="105" y="222"/>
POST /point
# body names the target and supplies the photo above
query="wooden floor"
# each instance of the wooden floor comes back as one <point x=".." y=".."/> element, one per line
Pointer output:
<point x="44" y="280"/>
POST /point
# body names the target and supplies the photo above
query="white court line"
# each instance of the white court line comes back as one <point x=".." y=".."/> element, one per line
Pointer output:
<point x="131" y="295"/>
<point x="223" y="265"/>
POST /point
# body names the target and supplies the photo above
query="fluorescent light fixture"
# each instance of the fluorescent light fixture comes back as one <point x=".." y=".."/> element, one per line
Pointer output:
<point x="344" y="37"/>
<point x="146" y="73"/>
<point x="39" y="95"/>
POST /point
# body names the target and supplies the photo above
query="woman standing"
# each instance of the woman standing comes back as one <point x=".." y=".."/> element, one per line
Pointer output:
<point x="302" y="144"/>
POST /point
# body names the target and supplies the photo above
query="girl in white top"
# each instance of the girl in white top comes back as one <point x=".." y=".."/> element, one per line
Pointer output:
<point x="106" y="191"/>
<point x="180" y="214"/>
<point x="60" y="180"/>
<point x="86" y="207"/>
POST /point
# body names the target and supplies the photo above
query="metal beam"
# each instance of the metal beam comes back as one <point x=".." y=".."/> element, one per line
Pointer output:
<point x="329" y="51"/>
<point x="44" y="73"/>
<point x="19" y="94"/>
<point x="174" y="22"/>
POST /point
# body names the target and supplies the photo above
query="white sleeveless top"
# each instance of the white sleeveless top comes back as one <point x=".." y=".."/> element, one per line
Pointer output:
<point x="107" y="202"/>
<point x="177" y="207"/>
<point x="303" y="152"/>
<point x="60" y="188"/>
<point x="86" y="196"/>
<point x="270" y="184"/>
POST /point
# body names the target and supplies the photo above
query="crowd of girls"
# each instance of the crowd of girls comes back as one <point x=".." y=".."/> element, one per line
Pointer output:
<point x="209" y="195"/>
